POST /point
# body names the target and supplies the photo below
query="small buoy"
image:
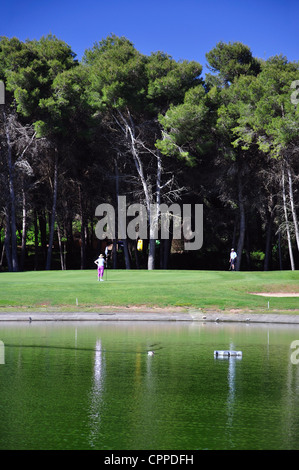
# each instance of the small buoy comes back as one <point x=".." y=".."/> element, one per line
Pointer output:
<point x="227" y="353"/>
<point x="150" y="353"/>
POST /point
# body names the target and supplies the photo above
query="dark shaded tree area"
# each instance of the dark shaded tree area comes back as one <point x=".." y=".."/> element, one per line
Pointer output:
<point x="76" y="134"/>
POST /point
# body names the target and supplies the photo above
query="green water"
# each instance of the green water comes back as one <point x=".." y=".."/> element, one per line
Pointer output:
<point x="93" y="386"/>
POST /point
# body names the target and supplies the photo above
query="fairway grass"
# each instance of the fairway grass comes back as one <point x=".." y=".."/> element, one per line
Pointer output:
<point x="204" y="290"/>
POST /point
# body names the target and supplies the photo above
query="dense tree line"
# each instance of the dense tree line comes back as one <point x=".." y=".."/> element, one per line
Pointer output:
<point x="75" y="134"/>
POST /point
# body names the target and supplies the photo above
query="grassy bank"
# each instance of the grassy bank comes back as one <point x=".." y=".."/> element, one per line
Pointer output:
<point x="78" y="290"/>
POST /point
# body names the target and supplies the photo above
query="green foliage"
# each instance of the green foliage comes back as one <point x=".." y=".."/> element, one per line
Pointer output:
<point x="122" y="77"/>
<point x="186" y="126"/>
<point x="170" y="80"/>
<point x="117" y="73"/>
<point x="219" y="133"/>
<point x="259" y="109"/>
<point x="232" y="60"/>
<point x="68" y="106"/>
<point x="31" y="81"/>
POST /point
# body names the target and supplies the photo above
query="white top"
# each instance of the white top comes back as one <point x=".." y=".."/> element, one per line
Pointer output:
<point x="100" y="261"/>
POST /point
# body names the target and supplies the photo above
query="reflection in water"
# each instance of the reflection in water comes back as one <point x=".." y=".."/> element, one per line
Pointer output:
<point x="96" y="394"/>
<point x="290" y="403"/>
<point x="81" y="386"/>
<point x="231" y="390"/>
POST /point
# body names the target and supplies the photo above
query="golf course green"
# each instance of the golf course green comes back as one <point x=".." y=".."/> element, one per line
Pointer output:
<point x="205" y="290"/>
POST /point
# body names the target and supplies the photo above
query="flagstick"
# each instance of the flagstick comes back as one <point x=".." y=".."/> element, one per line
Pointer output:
<point x="106" y="254"/>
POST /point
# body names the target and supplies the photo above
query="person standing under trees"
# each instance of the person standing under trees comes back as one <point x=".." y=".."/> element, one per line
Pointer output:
<point x="232" y="258"/>
<point x="100" y="262"/>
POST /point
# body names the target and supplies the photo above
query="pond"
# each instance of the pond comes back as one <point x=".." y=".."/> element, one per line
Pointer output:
<point x="92" y="385"/>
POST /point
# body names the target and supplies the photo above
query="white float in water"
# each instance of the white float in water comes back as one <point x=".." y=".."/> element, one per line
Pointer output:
<point x="227" y="353"/>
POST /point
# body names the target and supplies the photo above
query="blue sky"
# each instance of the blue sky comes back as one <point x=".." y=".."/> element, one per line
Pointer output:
<point x="185" y="29"/>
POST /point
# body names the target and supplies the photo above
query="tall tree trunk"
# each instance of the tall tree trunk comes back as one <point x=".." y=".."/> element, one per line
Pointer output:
<point x="242" y="226"/>
<point x="287" y="220"/>
<point x="293" y="209"/>
<point x="114" y="247"/>
<point x="151" y="222"/>
<point x="123" y="229"/>
<point x="155" y="216"/>
<point x="128" y="129"/>
<point x="53" y="215"/>
<point x="61" y="248"/>
<point x="2" y="256"/>
<point x="83" y="238"/>
<point x="234" y="239"/>
<point x="43" y="233"/>
<point x="151" y="253"/>
<point x="24" y="228"/>
<point x="114" y="254"/>
<point x="126" y="253"/>
<point x="136" y="255"/>
<point x="69" y="239"/>
<point x="279" y="251"/>
<point x="166" y="252"/>
<point x="12" y="212"/>
<point x="7" y="241"/>
<point x="36" y="243"/>
<point x="268" y="249"/>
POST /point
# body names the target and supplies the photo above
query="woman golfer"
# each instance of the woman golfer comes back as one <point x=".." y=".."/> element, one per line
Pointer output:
<point x="100" y="262"/>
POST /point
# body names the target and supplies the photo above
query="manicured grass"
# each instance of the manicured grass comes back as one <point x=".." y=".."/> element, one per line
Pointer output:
<point x="44" y="290"/>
